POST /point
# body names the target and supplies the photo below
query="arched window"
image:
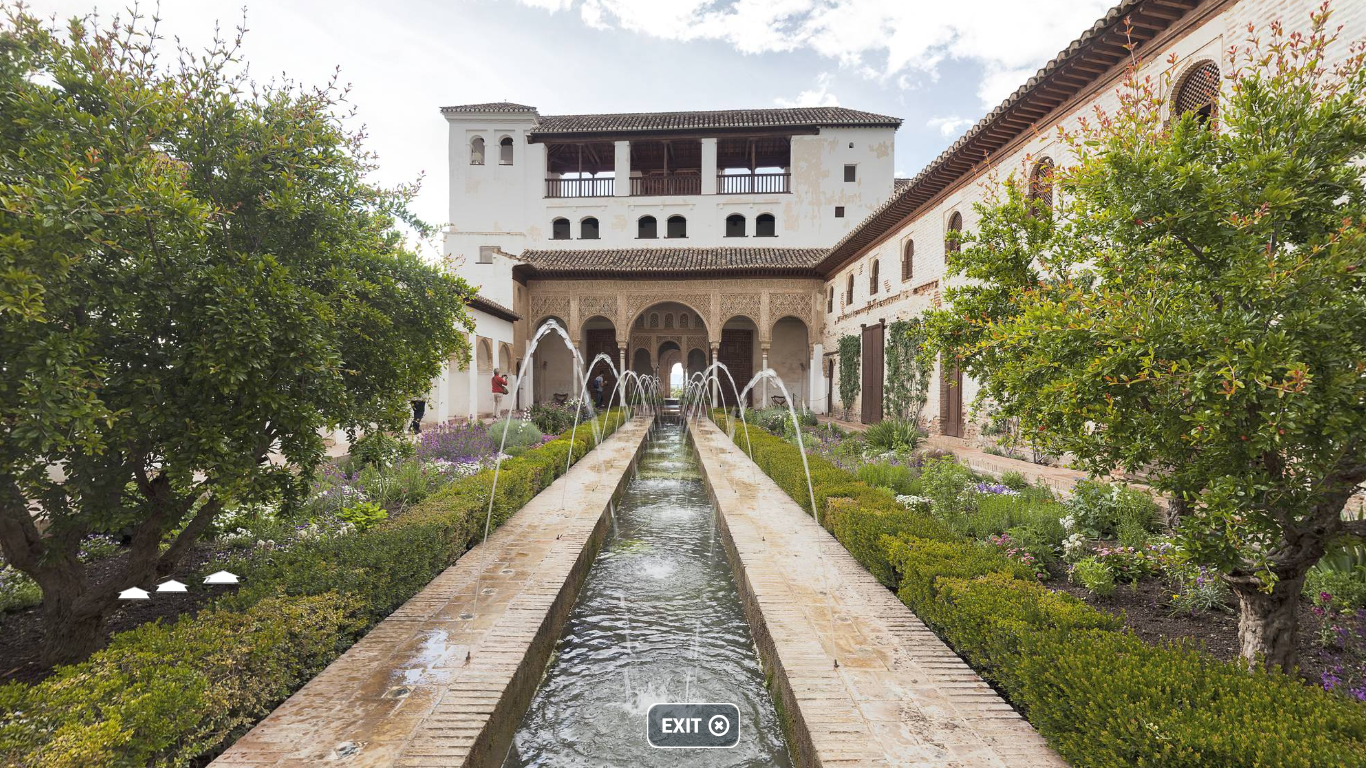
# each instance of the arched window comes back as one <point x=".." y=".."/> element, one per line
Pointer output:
<point x="654" y="319"/>
<point x="849" y="290"/>
<point x="640" y="321"/>
<point x="765" y="226"/>
<point x="677" y="227"/>
<point x="477" y="150"/>
<point x="830" y="300"/>
<point x="588" y="229"/>
<point x="668" y="319"/>
<point x="559" y="229"/>
<point x="908" y="260"/>
<point x="683" y="320"/>
<point x="1041" y="187"/>
<point x="646" y="228"/>
<point x="735" y="225"/>
<point x="505" y="151"/>
<point x="1198" y="93"/>
<point x="872" y="278"/>
<point x="951" y="243"/>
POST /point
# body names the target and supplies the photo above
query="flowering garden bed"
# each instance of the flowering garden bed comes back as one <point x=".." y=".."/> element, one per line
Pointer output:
<point x="171" y="693"/>
<point x="1104" y="689"/>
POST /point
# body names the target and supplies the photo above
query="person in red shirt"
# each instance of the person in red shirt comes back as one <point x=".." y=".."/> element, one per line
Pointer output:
<point x="500" y="388"/>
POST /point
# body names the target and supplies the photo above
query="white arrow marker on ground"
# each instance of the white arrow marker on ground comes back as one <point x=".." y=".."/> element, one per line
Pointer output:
<point x="222" y="577"/>
<point x="171" y="586"/>
<point x="133" y="593"/>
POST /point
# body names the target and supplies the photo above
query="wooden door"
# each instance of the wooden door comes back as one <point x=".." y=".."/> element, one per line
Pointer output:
<point x="872" y="364"/>
<point x="601" y="341"/>
<point x="737" y="354"/>
<point x="950" y="399"/>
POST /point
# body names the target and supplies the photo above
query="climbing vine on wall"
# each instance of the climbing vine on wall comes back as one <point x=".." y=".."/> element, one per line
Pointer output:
<point x="850" y="350"/>
<point x="908" y="371"/>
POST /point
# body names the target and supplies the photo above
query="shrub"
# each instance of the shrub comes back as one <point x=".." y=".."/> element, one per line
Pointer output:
<point x="1348" y="589"/>
<point x="364" y="516"/>
<point x="861" y="529"/>
<point x="1099" y="508"/>
<point x="552" y="418"/>
<point x="1109" y="700"/>
<point x="17" y="590"/>
<point x="1094" y="574"/>
<point x="520" y="434"/>
<point x="892" y="435"/>
<point x="380" y="449"/>
<point x="948" y="485"/>
<point x="167" y="695"/>
<point x="455" y="442"/>
<point x="897" y="478"/>
<point x="1015" y="481"/>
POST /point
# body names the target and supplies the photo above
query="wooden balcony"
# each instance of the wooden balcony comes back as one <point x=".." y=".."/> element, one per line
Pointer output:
<point x="604" y="187"/>
<point x="666" y="184"/>
<point x="753" y="183"/>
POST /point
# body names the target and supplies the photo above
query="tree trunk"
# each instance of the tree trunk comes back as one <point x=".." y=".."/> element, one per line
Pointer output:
<point x="1268" y="633"/>
<point x="71" y="623"/>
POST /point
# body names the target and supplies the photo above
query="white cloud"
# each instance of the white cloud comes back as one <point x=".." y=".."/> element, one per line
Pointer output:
<point x="883" y="39"/>
<point x="820" y="96"/>
<point x="949" y="126"/>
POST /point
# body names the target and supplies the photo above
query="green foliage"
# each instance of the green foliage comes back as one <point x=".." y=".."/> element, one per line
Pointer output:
<point x="17" y="590"/>
<point x="171" y="694"/>
<point x="1094" y="574"/>
<point x="1348" y="588"/>
<point x="1015" y="481"/>
<point x="196" y="272"/>
<point x="892" y="435"/>
<point x="1099" y="509"/>
<point x="1196" y="308"/>
<point x="908" y="371"/>
<point x="380" y="449"/>
<point x="851" y="350"/>
<point x="1103" y="698"/>
<point x="948" y="485"/>
<point x="364" y="516"/>
<point x="551" y="418"/>
<point x="1109" y="700"/>
<point x="897" y="478"/>
<point x="520" y="435"/>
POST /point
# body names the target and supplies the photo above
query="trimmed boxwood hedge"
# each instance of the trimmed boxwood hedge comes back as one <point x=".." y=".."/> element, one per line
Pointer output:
<point x="1101" y="696"/>
<point x="170" y="694"/>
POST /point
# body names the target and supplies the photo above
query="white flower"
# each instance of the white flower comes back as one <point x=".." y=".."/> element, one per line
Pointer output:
<point x="1068" y="522"/>
<point x="910" y="502"/>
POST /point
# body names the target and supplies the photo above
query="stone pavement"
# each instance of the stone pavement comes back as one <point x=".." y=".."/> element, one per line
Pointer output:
<point x="443" y="681"/>
<point x="863" y="680"/>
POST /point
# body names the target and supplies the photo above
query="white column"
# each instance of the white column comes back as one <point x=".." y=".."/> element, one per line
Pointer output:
<point x="763" y="385"/>
<point x="621" y="374"/>
<point x="621" y="169"/>
<point x="816" y="380"/>
<point x="709" y="166"/>
<point x="715" y="377"/>
<point x="472" y="409"/>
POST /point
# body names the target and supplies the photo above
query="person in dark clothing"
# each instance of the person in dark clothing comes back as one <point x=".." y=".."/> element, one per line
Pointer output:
<point x="419" y="408"/>
<point x="597" y="387"/>
<point x="500" y="388"/>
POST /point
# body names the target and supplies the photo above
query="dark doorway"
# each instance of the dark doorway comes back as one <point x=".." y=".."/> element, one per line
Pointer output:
<point x="604" y="341"/>
<point x="737" y="354"/>
<point x="950" y="400"/>
<point x="830" y="386"/>
<point x="872" y="374"/>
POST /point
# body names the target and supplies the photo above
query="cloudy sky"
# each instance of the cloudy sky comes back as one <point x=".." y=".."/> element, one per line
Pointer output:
<point x="938" y="65"/>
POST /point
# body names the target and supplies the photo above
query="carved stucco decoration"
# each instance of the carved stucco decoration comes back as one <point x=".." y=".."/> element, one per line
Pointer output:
<point x="796" y="305"/>
<point x="636" y="303"/>
<point x="593" y="306"/>
<point x="547" y="305"/>
<point x="747" y="304"/>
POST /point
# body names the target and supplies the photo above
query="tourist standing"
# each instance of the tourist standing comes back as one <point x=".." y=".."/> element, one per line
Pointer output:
<point x="500" y="388"/>
<point x="597" y="390"/>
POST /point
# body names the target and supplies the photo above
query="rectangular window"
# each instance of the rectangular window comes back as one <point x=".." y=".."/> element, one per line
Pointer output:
<point x="839" y="211"/>
<point x="486" y="253"/>
<point x="850" y="173"/>
<point x="830" y="300"/>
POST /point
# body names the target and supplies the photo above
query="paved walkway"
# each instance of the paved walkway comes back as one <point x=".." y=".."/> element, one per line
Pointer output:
<point x="443" y="682"/>
<point x="864" y="680"/>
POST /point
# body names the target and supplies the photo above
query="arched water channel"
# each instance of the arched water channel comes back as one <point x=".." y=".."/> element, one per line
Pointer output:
<point x="658" y="620"/>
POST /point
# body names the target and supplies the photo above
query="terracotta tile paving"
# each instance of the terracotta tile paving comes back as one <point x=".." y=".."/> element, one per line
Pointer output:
<point x="441" y="681"/>
<point x="898" y="695"/>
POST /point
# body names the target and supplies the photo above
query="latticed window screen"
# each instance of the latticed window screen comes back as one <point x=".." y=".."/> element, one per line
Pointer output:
<point x="955" y="225"/>
<point x="1041" y="185"/>
<point x="1198" y="92"/>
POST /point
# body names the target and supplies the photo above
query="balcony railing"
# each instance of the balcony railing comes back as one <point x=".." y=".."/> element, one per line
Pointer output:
<point x="670" y="184"/>
<point x="604" y="187"/>
<point x="752" y="183"/>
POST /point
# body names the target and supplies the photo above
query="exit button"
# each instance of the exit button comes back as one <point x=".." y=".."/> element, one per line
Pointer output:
<point x="674" y="726"/>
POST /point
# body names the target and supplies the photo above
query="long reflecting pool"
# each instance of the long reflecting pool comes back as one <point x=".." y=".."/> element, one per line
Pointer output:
<point x="658" y="619"/>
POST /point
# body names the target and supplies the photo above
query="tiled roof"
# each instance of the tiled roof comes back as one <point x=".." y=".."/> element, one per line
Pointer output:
<point x="899" y="184"/>
<point x="628" y="122"/>
<point x="493" y="106"/>
<point x="493" y="308"/>
<point x="1076" y="68"/>
<point x="679" y="261"/>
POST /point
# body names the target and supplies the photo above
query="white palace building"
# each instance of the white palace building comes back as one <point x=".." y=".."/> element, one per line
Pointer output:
<point x="760" y="237"/>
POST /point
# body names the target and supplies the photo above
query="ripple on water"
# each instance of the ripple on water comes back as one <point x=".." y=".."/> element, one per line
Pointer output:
<point x="658" y="619"/>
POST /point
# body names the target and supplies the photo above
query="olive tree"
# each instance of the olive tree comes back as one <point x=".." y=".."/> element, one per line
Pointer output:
<point x="1195" y="309"/>
<point x="196" y="278"/>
